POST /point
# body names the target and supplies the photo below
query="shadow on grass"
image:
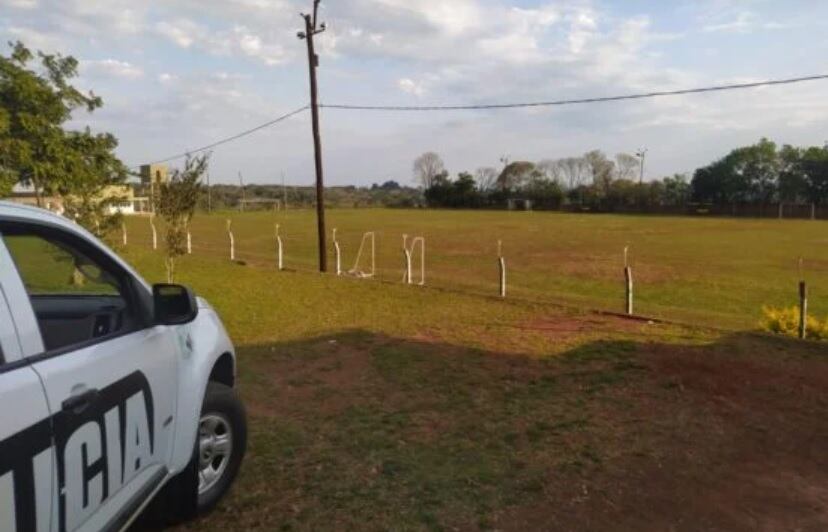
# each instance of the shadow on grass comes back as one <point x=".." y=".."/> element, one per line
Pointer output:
<point x="363" y="431"/>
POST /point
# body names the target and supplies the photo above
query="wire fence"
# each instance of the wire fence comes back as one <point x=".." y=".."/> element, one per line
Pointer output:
<point x="711" y="284"/>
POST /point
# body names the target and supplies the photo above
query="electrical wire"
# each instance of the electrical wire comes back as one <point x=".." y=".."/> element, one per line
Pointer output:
<point x="551" y="103"/>
<point x="233" y="137"/>
<point x="715" y="88"/>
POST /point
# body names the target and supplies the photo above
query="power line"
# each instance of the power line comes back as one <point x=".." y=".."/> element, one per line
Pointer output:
<point x="233" y="137"/>
<point x="715" y="88"/>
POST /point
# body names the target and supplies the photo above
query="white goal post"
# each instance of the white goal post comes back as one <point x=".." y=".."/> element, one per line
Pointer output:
<point x="408" y="253"/>
<point x="371" y="239"/>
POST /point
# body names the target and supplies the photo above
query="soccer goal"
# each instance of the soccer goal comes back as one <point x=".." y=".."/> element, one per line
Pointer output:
<point x="260" y="204"/>
<point x="368" y="248"/>
<point x="409" y="251"/>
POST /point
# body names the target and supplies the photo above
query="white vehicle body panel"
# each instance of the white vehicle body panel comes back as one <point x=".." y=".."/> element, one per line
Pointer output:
<point x="162" y="369"/>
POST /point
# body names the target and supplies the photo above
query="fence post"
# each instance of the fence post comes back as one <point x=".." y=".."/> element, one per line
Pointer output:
<point x="813" y="211"/>
<point x="407" y="256"/>
<point x="628" y="278"/>
<point x="189" y="243"/>
<point x="501" y="261"/>
<point x="803" y="303"/>
<point x="422" y="262"/>
<point x="782" y="210"/>
<point x="154" y="232"/>
<point x="338" y="254"/>
<point x="279" y="250"/>
<point x="232" y="241"/>
<point x="124" y="232"/>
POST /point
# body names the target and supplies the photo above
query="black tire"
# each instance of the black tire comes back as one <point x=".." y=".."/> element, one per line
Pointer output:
<point x="223" y="400"/>
<point x="180" y="500"/>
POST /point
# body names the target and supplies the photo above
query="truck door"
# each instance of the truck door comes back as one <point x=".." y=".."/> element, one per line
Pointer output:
<point x="26" y="460"/>
<point x="108" y="373"/>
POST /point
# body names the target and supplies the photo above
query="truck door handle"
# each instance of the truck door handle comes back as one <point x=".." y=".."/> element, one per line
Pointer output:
<point x="78" y="403"/>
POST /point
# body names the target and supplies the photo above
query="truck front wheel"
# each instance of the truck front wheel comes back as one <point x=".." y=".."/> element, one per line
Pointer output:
<point x="220" y="445"/>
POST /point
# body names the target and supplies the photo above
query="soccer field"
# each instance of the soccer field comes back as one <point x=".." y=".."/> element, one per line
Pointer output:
<point x="713" y="271"/>
<point x="387" y="407"/>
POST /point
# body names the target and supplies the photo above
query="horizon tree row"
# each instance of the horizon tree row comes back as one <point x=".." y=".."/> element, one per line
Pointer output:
<point x="760" y="174"/>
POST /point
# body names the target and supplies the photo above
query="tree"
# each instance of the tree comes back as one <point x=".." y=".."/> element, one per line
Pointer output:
<point x="486" y="177"/>
<point x="514" y="175"/>
<point x="426" y="167"/>
<point x="551" y="170"/>
<point x="677" y="190"/>
<point x="793" y="183"/>
<point x="626" y="165"/>
<point x="35" y="105"/>
<point x="815" y="169"/>
<point x="756" y="169"/>
<point x="177" y="201"/>
<point x="574" y="170"/>
<point x="89" y="184"/>
<point x="601" y="168"/>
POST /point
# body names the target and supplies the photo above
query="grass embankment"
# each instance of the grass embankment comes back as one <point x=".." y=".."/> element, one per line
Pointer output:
<point x="376" y="407"/>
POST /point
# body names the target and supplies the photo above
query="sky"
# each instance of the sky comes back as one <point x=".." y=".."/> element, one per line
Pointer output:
<point x="179" y="74"/>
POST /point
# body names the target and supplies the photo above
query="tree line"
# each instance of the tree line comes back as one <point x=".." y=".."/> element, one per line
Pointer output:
<point x="760" y="174"/>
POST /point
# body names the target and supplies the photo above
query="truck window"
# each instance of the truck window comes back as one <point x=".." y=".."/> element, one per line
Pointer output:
<point x="77" y="300"/>
<point x="48" y="268"/>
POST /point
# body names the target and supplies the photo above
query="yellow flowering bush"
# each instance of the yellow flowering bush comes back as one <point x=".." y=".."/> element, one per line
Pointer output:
<point x="786" y="321"/>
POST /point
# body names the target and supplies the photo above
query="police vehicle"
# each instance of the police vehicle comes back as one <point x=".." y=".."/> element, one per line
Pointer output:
<point x="114" y="395"/>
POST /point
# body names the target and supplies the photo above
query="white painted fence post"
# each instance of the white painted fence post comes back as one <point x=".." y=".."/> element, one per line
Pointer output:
<point x="279" y="250"/>
<point x="124" y="233"/>
<point x="232" y="241"/>
<point x="337" y="254"/>
<point x="154" y="233"/>
<point x="502" y="264"/>
<point x="189" y="243"/>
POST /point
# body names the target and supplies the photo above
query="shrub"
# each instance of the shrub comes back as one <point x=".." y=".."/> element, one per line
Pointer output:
<point x="786" y="321"/>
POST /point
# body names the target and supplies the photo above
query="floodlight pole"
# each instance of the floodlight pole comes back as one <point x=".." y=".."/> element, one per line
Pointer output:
<point x="311" y="29"/>
<point x="642" y="155"/>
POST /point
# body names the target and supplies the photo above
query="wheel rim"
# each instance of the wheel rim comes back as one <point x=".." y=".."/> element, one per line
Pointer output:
<point x="215" y="445"/>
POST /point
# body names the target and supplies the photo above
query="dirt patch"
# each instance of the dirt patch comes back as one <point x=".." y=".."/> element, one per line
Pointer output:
<point x="565" y="327"/>
<point x="371" y="432"/>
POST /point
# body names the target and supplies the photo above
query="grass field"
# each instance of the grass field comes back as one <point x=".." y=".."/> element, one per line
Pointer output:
<point x="702" y="271"/>
<point x="379" y="406"/>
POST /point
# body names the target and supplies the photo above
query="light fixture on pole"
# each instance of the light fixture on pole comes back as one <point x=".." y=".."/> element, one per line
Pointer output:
<point x="642" y="156"/>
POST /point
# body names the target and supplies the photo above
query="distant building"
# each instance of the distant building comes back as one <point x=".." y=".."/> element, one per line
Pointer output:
<point x="127" y="203"/>
<point x="154" y="174"/>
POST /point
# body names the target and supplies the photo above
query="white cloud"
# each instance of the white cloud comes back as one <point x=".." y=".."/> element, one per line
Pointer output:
<point x="238" y="40"/>
<point x="182" y="32"/>
<point x="36" y="39"/>
<point x="19" y="4"/>
<point x="112" y="67"/>
<point x="743" y="22"/>
<point x="410" y="86"/>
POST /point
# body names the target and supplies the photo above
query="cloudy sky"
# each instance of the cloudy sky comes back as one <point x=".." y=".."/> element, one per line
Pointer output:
<point x="179" y="74"/>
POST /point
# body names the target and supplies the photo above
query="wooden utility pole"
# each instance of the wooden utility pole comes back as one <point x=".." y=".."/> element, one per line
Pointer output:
<point x="311" y="29"/>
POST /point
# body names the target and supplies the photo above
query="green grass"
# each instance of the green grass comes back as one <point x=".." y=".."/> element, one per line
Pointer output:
<point x="379" y="406"/>
<point x="713" y="271"/>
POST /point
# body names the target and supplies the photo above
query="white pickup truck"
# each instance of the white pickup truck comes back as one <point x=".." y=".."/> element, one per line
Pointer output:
<point x="113" y="393"/>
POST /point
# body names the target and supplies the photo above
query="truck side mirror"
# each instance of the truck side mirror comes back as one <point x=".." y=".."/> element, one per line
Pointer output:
<point x="173" y="304"/>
